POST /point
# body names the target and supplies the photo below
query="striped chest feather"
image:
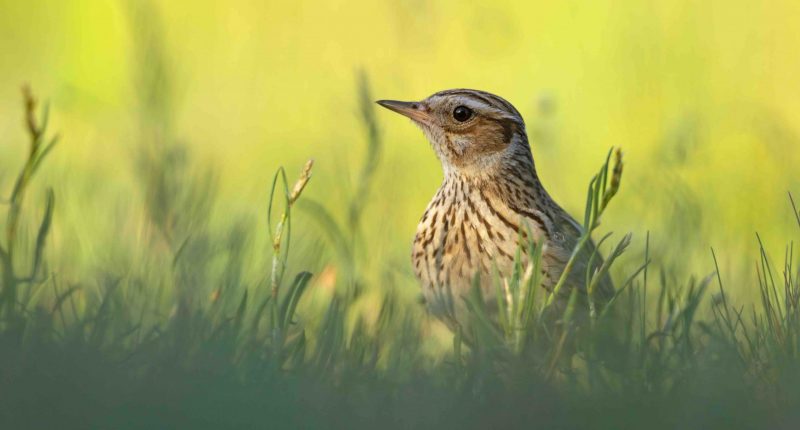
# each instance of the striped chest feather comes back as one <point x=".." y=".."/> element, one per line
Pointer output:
<point x="468" y="231"/>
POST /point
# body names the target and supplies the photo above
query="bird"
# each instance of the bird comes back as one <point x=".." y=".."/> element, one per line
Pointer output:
<point x="490" y="202"/>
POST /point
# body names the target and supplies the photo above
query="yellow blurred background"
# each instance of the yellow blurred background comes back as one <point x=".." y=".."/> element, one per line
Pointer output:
<point x="703" y="97"/>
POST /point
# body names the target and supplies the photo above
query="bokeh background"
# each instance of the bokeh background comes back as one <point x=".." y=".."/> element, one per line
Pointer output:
<point x="703" y="97"/>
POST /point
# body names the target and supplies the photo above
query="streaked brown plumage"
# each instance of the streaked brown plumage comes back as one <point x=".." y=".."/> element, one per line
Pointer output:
<point x="489" y="198"/>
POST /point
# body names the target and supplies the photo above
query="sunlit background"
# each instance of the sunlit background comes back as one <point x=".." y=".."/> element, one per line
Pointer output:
<point x="703" y="97"/>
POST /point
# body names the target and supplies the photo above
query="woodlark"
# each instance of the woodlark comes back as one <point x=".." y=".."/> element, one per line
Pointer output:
<point x="489" y="200"/>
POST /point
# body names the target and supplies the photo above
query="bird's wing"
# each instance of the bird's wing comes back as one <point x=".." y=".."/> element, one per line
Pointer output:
<point x="577" y="277"/>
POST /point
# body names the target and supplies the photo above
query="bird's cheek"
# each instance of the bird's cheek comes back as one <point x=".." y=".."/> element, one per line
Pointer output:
<point x="460" y="144"/>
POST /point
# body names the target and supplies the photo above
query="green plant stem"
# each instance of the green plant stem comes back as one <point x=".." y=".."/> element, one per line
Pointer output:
<point x="280" y="254"/>
<point x="567" y="268"/>
<point x="36" y="153"/>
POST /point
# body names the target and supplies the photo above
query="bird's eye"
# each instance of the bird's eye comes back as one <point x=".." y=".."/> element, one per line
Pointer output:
<point x="462" y="113"/>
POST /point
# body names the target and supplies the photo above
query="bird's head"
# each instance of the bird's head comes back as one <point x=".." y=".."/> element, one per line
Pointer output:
<point x="471" y="131"/>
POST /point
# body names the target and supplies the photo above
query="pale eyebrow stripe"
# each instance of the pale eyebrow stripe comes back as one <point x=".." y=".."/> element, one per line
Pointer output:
<point x="488" y="98"/>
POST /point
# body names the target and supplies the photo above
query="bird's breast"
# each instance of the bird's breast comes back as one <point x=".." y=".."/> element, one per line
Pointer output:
<point x="465" y="233"/>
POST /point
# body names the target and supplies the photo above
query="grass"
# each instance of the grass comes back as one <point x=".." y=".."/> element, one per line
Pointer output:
<point x="189" y="340"/>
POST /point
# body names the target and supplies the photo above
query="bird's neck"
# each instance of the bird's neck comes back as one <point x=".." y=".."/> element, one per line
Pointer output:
<point x="510" y="175"/>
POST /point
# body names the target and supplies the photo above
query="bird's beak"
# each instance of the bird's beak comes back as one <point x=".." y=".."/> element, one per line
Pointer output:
<point x="414" y="110"/>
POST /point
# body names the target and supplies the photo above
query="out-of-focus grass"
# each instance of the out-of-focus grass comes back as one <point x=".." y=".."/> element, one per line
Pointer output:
<point x="701" y="96"/>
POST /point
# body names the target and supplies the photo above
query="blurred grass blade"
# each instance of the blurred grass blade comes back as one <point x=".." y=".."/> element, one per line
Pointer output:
<point x="44" y="229"/>
<point x="292" y="298"/>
